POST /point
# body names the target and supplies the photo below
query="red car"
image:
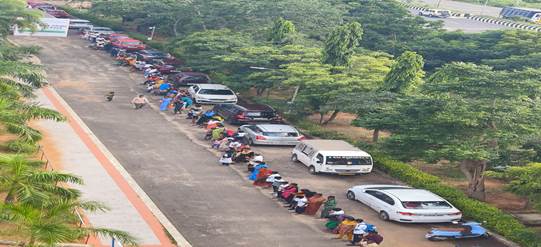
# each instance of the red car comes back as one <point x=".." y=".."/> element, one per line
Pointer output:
<point x="117" y="36"/>
<point x="129" y="44"/>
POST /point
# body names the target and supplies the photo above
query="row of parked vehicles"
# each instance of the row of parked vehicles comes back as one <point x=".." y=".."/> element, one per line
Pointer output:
<point x="262" y="125"/>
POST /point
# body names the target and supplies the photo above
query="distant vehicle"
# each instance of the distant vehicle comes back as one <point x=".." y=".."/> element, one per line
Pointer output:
<point x="271" y="134"/>
<point x="79" y="24"/>
<point x="212" y="94"/>
<point x="129" y="44"/>
<point x="94" y="31"/>
<point x="332" y="156"/>
<point x="243" y="112"/>
<point x="533" y="15"/>
<point x="404" y="204"/>
<point x="116" y="36"/>
<point x="464" y="230"/>
<point x="188" y="78"/>
<point x="58" y="13"/>
<point x="150" y="54"/>
<point x="435" y="13"/>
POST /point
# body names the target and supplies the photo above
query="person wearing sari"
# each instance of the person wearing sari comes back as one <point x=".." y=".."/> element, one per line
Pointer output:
<point x="260" y="165"/>
<point x="346" y="228"/>
<point x="328" y="206"/>
<point x="314" y="203"/>
<point x="261" y="178"/>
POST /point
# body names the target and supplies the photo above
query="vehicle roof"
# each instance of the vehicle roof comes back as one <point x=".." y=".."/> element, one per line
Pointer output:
<point x="382" y="186"/>
<point x="129" y="40"/>
<point x="191" y="73"/>
<point x="211" y="86"/>
<point x="528" y="9"/>
<point x="276" y="128"/>
<point x="411" y="194"/>
<point x="330" y="145"/>
<point x="253" y="106"/>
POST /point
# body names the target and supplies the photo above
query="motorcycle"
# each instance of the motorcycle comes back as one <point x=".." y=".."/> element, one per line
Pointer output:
<point x="464" y="230"/>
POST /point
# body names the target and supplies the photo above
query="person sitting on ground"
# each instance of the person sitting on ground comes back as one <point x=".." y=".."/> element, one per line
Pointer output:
<point x="217" y="132"/>
<point x="372" y="239"/>
<point x="260" y="164"/>
<point x="277" y="184"/>
<point x="139" y="101"/>
<point x="330" y="203"/>
<point x="346" y="228"/>
<point x="288" y="193"/>
<point x="205" y="117"/>
<point x="195" y="112"/>
<point x="224" y="144"/>
<point x="244" y="155"/>
<point x="301" y="203"/>
<point x="281" y="188"/>
<point x="308" y="193"/>
<point x="358" y="231"/>
<point x="270" y="179"/>
<point x="335" y="216"/>
<point x="299" y="195"/>
<point x="226" y="160"/>
<point x="234" y="144"/>
<point x="214" y="122"/>
<point x="314" y="203"/>
<point x="262" y="175"/>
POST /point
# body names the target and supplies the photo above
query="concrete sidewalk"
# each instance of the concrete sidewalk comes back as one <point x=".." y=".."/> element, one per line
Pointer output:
<point x="71" y="147"/>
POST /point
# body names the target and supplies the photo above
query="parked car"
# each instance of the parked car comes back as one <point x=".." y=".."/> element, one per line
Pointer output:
<point x="212" y="94"/>
<point x="405" y="204"/>
<point x="332" y="156"/>
<point x="116" y="36"/>
<point x="150" y="54"/>
<point x="271" y="134"/>
<point x="129" y="44"/>
<point x="244" y="112"/>
<point x="183" y="79"/>
<point x="435" y="13"/>
<point x="94" y="31"/>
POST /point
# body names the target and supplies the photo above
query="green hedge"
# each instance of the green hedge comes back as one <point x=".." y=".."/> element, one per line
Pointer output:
<point x="492" y="217"/>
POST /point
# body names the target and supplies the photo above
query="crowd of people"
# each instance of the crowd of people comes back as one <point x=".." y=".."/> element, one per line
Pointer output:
<point x="234" y="150"/>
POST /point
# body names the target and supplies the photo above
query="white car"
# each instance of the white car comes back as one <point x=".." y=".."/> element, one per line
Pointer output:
<point x="405" y="204"/>
<point x="212" y="94"/>
<point x="435" y="13"/>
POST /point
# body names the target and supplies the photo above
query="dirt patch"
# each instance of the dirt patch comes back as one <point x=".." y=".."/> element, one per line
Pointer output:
<point x="50" y="150"/>
<point x="342" y="124"/>
<point x="10" y="232"/>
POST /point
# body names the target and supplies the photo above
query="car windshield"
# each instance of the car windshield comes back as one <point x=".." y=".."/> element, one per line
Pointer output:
<point x="348" y="160"/>
<point x="281" y="134"/>
<point x="216" y="91"/>
<point x="426" y="205"/>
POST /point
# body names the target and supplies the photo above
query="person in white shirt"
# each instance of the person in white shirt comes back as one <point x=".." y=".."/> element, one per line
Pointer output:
<point x="358" y="231"/>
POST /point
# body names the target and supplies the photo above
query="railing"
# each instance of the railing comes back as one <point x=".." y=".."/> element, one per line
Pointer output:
<point x="48" y="166"/>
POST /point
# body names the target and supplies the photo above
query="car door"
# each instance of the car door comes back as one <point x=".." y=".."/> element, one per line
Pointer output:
<point x="382" y="202"/>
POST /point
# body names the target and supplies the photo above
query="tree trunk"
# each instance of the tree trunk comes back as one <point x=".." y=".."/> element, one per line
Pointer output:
<point x="175" y="26"/>
<point x="332" y="117"/>
<point x="375" y="136"/>
<point x="474" y="170"/>
<point x="259" y="91"/>
<point x="321" y="116"/>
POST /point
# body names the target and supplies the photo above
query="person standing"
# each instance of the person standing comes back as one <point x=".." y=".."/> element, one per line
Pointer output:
<point x="328" y="206"/>
<point x="139" y="101"/>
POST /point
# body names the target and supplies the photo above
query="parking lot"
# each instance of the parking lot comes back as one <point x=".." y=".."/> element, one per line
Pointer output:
<point x="209" y="204"/>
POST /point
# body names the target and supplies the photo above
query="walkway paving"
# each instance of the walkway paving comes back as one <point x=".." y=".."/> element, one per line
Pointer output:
<point x="70" y="147"/>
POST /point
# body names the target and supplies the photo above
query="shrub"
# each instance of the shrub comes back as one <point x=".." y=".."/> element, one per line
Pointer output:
<point x="19" y="146"/>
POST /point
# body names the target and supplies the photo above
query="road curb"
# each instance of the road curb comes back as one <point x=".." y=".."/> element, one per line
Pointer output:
<point x="171" y="229"/>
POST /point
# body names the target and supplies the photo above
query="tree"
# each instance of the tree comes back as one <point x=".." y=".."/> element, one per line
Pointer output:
<point x="340" y="44"/>
<point x="14" y="12"/>
<point x="22" y="181"/>
<point x="282" y="31"/>
<point x="468" y="114"/>
<point x="325" y="88"/>
<point x="406" y="74"/>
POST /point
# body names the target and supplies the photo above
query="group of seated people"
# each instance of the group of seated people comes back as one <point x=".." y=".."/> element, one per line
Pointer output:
<point x="296" y="199"/>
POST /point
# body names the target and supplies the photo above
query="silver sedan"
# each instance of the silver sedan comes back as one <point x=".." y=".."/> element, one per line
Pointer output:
<point x="271" y="134"/>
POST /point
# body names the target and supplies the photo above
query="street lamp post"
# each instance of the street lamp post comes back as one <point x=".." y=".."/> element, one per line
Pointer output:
<point x="153" y="28"/>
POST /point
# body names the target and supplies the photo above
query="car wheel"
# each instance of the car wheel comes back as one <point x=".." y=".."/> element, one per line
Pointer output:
<point x="294" y="158"/>
<point x="312" y="170"/>
<point x="384" y="216"/>
<point x="350" y="195"/>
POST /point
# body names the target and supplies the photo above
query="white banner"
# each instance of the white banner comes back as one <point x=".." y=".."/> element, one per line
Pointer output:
<point x="49" y="27"/>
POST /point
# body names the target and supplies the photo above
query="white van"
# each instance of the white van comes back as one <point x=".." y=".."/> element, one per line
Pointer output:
<point x="332" y="156"/>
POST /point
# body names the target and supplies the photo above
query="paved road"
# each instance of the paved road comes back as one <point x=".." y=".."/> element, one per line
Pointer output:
<point x="463" y="24"/>
<point x="211" y="205"/>
<point x="474" y="9"/>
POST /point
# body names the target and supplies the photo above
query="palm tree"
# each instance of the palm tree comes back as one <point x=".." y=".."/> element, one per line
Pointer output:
<point x="23" y="181"/>
<point x="14" y="12"/>
<point x="56" y="223"/>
